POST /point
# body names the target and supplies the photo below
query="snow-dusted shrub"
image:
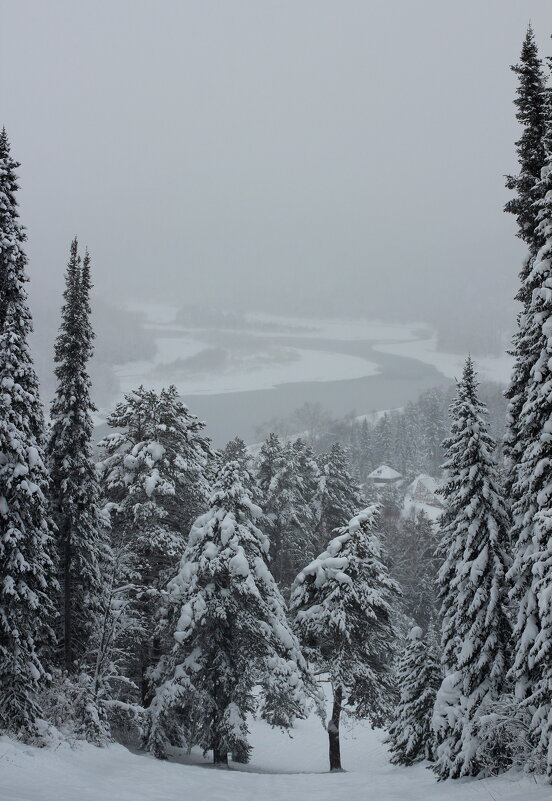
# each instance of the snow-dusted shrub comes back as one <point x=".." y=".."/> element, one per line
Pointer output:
<point x="69" y="704"/>
<point x="127" y="722"/>
<point x="502" y="730"/>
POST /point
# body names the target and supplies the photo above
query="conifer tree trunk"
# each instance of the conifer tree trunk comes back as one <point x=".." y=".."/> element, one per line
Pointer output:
<point x="68" y="600"/>
<point x="333" y="730"/>
<point x="220" y="755"/>
<point x="220" y="752"/>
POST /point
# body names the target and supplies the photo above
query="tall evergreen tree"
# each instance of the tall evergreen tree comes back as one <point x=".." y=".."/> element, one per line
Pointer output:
<point x="307" y="468"/>
<point x="532" y="567"/>
<point x="342" y="606"/>
<point x="336" y="494"/>
<point x="432" y="429"/>
<point x="236" y="451"/>
<point x="411" y="543"/>
<point x="27" y="576"/>
<point x="418" y="677"/>
<point x="472" y="590"/>
<point x="290" y="513"/>
<point x="231" y="635"/>
<point x="155" y="478"/>
<point x="532" y="113"/>
<point x="81" y="541"/>
<point x="267" y="464"/>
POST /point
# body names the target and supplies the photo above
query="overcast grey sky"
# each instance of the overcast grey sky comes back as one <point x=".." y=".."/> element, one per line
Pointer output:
<point x="251" y="151"/>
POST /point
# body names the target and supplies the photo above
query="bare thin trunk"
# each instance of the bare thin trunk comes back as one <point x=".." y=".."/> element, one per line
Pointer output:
<point x="333" y="730"/>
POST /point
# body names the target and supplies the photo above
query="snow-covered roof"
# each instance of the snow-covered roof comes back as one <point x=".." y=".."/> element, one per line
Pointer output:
<point x="421" y="495"/>
<point x="384" y="473"/>
<point x="426" y="481"/>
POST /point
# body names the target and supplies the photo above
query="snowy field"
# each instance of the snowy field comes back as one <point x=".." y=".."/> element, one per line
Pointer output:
<point x="283" y="768"/>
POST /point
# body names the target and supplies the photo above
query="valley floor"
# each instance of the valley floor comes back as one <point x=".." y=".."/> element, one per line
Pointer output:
<point x="283" y="768"/>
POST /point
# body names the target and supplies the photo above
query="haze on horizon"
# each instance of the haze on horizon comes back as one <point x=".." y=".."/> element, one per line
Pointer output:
<point x="314" y="157"/>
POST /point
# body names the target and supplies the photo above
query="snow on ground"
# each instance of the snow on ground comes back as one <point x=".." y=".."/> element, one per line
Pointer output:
<point x="493" y="368"/>
<point x="283" y="768"/>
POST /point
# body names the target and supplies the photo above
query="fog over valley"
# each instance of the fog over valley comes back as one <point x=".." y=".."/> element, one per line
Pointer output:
<point x="275" y="400"/>
<point x="296" y="159"/>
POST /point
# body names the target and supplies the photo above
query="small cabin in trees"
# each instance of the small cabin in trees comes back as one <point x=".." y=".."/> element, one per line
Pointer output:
<point x="424" y="490"/>
<point x="384" y="475"/>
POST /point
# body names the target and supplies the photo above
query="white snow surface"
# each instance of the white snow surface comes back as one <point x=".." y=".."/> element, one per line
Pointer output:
<point x="283" y="768"/>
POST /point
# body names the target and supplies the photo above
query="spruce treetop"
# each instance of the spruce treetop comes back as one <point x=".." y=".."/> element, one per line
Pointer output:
<point x="531" y="114"/>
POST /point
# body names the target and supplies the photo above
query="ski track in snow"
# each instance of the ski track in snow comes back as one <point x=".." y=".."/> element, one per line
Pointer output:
<point x="283" y="768"/>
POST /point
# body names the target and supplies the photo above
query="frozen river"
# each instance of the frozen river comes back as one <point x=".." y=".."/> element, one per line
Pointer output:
<point x="236" y="380"/>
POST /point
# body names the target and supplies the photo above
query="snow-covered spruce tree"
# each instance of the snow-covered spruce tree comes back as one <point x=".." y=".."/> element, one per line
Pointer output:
<point x="342" y="607"/>
<point x="81" y="539"/>
<point x="532" y="113"/>
<point x="267" y="464"/>
<point x="411" y="545"/>
<point x="432" y="428"/>
<point x="475" y="628"/>
<point x="405" y="452"/>
<point x="362" y="450"/>
<point x="290" y="513"/>
<point x="155" y="478"/>
<point x="236" y="451"/>
<point x="532" y="568"/>
<point x="307" y="468"/>
<point x="336" y="494"/>
<point x="231" y="635"/>
<point x="410" y="736"/>
<point x="27" y="573"/>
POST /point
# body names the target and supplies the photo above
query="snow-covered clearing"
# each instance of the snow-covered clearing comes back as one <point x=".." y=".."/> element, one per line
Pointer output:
<point x="283" y="768"/>
<point x="493" y="368"/>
